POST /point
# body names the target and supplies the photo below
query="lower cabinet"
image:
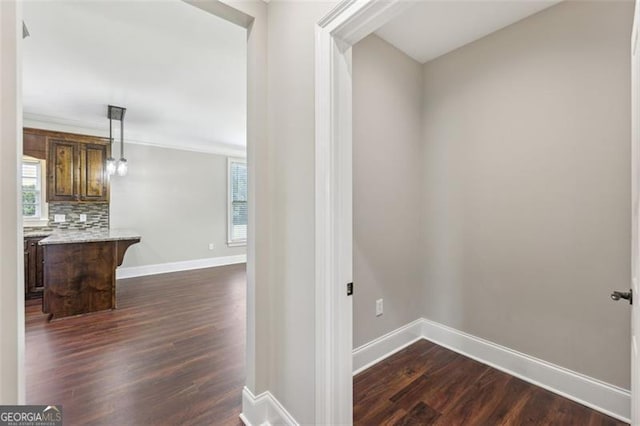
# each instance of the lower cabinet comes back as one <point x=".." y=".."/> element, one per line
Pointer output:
<point x="33" y="279"/>
<point x="80" y="277"/>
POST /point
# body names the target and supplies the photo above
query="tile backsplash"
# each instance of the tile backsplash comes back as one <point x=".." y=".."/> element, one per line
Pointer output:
<point x="97" y="216"/>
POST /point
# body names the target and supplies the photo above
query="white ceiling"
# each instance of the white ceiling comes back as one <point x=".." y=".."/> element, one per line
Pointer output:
<point x="179" y="71"/>
<point x="429" y="29"/>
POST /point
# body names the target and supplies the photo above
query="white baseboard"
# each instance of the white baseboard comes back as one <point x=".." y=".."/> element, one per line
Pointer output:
<point x="593" y="393"/>
<point x="163" y="268"/>
<point x="264" y="410"/>
<point x="376" y="350"/>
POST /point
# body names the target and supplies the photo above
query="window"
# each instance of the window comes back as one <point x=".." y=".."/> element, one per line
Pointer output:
<point x="34" y="207"/>
<point x="238" y="214"/>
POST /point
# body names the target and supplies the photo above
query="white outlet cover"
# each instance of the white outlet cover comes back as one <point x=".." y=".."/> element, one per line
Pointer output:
<point x="379" y="307"/>
<point x="211" y="246"/>
<point x="83" y="218"/>
<point x="59" y="218"/>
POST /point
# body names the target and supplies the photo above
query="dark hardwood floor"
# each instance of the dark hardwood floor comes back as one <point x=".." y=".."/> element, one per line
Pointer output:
<point x="426" y="384"/>
<point x="172" y="353"/>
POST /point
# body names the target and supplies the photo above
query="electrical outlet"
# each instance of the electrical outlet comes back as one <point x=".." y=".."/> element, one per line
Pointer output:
<point x="211" y="246"/>
<point x="83" y="218"/>
<point x="379" y="307"/>
<point x="59" y="218"/>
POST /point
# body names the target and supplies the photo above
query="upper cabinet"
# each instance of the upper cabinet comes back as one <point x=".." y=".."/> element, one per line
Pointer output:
<point x="94" y="179"/>
<point x="76" y="165"/>
<point x="34" y="144"/>
<point x="63" y="171"/>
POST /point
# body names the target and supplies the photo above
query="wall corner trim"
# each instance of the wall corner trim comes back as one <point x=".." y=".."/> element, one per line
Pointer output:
<point x="378" y="349"/>
<point x="603" y="397"/>
<point x="264" y="410"/>
<point x="186" y="265"/>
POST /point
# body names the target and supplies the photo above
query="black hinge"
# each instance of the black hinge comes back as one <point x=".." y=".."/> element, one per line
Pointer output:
<point x="349" y="289"/>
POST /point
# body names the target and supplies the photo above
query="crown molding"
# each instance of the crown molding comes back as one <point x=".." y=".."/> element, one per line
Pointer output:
<point x="46" y="122"/>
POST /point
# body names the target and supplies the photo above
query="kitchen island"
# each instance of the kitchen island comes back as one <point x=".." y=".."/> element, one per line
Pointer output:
<point x="79" y="270"/>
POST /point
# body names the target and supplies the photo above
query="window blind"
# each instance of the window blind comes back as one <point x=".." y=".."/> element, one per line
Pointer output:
<point x="239" y="211"/>
<point x="31" y="185"/>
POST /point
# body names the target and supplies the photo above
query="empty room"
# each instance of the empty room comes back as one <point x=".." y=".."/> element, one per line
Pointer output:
<point x="491" y="214"/>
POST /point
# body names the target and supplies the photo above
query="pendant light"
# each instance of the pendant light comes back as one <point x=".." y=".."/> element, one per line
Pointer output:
<point x="111" y="162"/>
<point x="121" y="167"/>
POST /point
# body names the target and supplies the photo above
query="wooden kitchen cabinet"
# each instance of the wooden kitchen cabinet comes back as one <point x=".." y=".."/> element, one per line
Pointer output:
<point x="33" y="267"/>
<point x="34" y="144"/>
<point x="63" y="171"/>
<point x="94" y="180"/>
<point x="76" y="166"/>
<point x="80" y="271"/>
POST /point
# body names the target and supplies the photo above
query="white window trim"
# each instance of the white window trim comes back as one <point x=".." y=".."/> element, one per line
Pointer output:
<point x="43" y="220"/>
<point x="230" y="242"/>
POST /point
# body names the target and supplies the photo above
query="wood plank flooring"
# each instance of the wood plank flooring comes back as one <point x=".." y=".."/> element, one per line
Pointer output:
<point x="172" y="353"/>
<point x="426" y="384"/>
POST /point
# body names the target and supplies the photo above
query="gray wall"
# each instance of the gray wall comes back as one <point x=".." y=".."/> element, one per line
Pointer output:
<point x="177" y="200"/>
<point x="291" y="47"/>
<point x="11" y="246"/>
<point x="387" y="188"/>
<point x="520" y="183"/>
<point x="527" y="187"/>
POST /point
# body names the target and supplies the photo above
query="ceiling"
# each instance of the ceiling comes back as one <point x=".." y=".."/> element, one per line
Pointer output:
<point x="179" y="71"/>
<point x="429" y="29"/>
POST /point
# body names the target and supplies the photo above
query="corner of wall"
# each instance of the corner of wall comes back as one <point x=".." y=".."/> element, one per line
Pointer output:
<point x="264" y="409"/>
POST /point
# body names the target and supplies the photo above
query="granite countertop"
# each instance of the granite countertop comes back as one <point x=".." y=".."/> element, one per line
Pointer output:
<point x="88" y="236"/>
<point x="36" y="234"/>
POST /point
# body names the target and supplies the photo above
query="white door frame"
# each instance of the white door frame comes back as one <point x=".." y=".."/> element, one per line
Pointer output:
<point x="341" y="28"/>
<point x="635" y="205"/>
<point x="12" y="349"/>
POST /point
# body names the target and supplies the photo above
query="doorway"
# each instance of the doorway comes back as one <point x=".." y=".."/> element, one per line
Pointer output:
<point x="334" y="106"/>
<point x="13" y="387"/>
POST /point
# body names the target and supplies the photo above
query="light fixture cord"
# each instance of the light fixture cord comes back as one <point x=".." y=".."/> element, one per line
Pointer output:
<point x="122" y="137"/>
